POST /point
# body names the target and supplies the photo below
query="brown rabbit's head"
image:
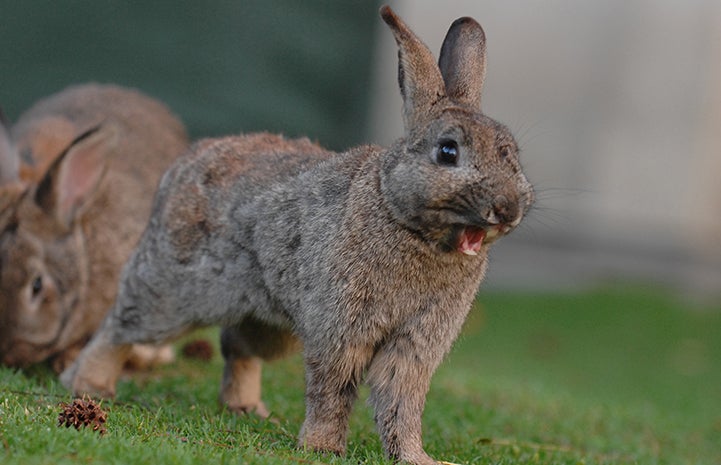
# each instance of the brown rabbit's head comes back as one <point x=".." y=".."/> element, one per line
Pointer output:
<point x="455" y="178"/>
<point x="42" y="261"/>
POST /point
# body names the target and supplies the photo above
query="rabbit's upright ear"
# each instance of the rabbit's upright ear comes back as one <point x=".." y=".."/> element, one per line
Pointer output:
<point x="8" y="156"/>
<point x="463" y="62"/>
<point x="418" y="75"/>
<point x="75" y="175"/>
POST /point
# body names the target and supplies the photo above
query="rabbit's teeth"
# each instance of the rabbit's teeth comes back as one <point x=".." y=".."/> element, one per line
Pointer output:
<point x="471" y="240"/>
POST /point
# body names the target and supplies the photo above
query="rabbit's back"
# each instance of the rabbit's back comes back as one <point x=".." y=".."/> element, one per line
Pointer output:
<point x="197" y="193"/>
<point x="147" y="137"/>
<point x="197" y="257"/>
<point x="44" y="130"/>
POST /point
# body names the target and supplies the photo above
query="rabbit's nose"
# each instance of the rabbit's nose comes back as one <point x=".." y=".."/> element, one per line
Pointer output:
<point x="503" y="211"/>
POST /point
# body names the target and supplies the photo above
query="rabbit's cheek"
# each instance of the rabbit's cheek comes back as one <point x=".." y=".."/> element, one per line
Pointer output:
<point x="35" y="329"/>
<point x="40" y="322"/>
<point x="39" y="330"/>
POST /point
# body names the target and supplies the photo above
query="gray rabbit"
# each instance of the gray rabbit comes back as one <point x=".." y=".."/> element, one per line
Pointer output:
<point x="370" y="258"/>
<point x="78" y="172"/>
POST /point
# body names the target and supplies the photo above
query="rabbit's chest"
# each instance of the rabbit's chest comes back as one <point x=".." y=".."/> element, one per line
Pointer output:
<point x="391" y="287"/>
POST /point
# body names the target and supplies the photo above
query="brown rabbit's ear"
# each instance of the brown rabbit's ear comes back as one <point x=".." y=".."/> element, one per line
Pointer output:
<point x="418" y="75"/>
<point x="463" y="62"/>
<point x="11" y="195"/>
<point x="75" y="175"/>
<point x="9" y="159"/>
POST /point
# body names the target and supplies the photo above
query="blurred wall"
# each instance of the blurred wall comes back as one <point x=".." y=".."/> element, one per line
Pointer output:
<point x="224" y="66"/>
<point x="617" y="107"/>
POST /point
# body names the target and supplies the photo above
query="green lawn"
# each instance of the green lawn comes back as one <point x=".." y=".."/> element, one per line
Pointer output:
<point x="614" y="376"/>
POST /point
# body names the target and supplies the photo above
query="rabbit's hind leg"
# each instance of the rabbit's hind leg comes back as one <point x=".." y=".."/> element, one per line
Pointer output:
<point x="138" y="315"/>
<point x="244" y="348"/>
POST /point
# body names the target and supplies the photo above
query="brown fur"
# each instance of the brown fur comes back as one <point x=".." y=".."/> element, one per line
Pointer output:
<point x="72" y="212"/>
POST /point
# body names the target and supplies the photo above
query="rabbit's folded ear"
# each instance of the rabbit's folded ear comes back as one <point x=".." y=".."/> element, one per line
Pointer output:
<point x="9" y="159"/>
<point x="75" y="175"/>
<point x="463" y="62"/>
<point x="11" y="196"/>
<point x="420" y="80"/>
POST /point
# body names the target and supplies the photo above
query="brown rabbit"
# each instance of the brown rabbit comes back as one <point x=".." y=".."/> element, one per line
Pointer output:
<point x="77" y="175"/>
<point x="370" y="258"/>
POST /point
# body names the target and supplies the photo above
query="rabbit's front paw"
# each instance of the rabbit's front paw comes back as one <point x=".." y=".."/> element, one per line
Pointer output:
<point x="96" y="370"/>
<point x="256" y="409"/>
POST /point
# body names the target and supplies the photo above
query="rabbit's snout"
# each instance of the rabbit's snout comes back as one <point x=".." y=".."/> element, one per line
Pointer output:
<point x="502" y="215"/>
<point x="502" y="211"/>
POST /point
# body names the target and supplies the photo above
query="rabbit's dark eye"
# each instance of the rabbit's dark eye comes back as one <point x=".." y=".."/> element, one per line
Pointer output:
<point x="37" y="286"/>
<point x="447" y="153"/>
<point x="505" y="151"/>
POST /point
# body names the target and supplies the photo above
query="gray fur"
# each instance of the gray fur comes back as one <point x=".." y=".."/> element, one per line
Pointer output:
<point x="356" y="255"/>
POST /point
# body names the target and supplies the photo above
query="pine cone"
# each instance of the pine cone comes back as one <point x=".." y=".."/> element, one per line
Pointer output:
<point x="199" y="349"/>
<point x="81" y="413"/>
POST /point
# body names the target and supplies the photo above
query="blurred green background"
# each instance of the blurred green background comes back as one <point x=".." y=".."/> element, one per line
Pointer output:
<point x="224" y="66"/>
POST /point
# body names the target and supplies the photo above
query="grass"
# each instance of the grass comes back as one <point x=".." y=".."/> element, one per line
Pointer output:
<point x="614" y="376"/>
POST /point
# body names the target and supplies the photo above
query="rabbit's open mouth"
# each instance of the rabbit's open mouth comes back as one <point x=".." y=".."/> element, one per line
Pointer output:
<point x="472" y="238"/>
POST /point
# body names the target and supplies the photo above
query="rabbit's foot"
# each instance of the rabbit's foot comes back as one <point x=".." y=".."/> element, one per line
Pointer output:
<point x="320" y="442"/>
<point x="240" y="389"/>
<point x="255" y="409"/>
<point x="145" y="356"/>
<point x="96" y="385"/>
<point x="95" y="372"/>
